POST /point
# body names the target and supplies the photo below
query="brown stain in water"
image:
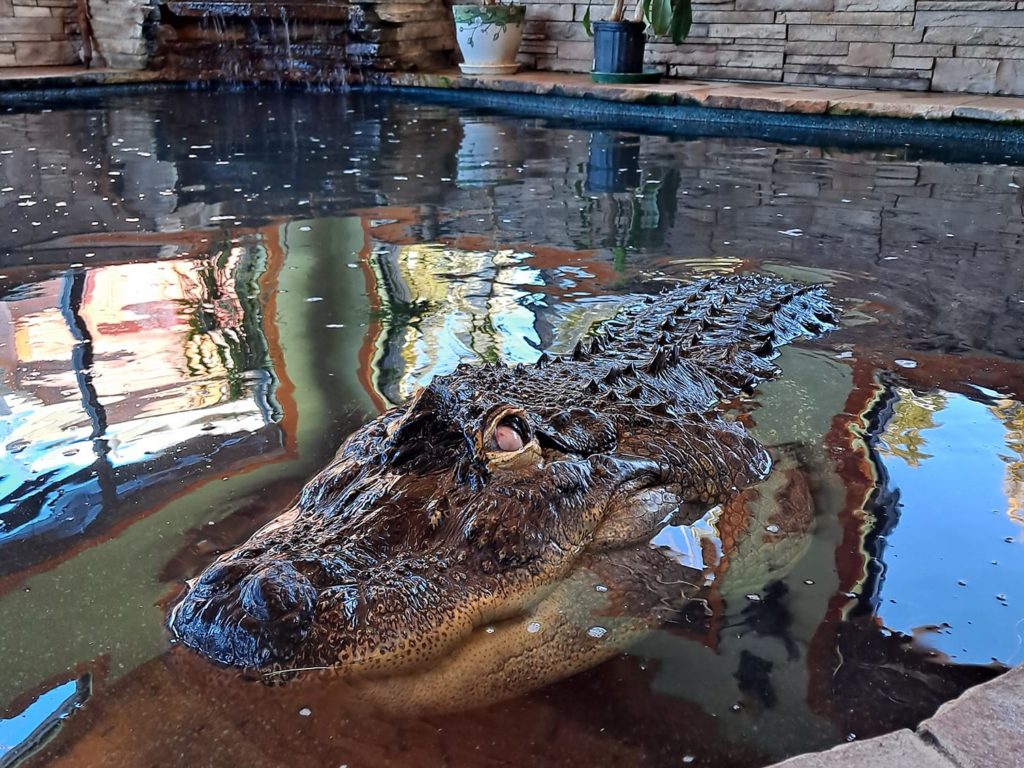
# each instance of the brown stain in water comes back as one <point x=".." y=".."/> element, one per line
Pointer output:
<point x="177" y="710"/>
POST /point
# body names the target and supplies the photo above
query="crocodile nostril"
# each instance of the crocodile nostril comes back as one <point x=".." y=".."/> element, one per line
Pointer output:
<point x="276" y="591"/>
<point x="221" y="576"/>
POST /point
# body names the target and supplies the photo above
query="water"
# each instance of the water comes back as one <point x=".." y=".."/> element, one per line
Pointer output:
<point x="204" y="293"/>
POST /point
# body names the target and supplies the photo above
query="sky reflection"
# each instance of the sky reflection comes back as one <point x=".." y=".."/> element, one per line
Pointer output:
<point x="957" y="498"/>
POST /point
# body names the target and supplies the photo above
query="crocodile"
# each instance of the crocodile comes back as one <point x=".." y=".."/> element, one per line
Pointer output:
<point x="492" y="515"/>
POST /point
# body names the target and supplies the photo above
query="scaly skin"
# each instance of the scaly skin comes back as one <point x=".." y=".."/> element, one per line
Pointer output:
<point x="502" y="492"/>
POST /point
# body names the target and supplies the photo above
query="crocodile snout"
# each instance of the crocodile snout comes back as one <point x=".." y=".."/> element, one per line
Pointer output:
<point x="247" y="614"/>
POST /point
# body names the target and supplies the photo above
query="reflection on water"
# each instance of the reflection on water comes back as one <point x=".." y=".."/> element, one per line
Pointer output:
<point x="28" y="729"/>
<point x="954" y="497"/>
<point x="244" y="278"/>
<point x="443" y="306"/>
<point x="121" y="378"/>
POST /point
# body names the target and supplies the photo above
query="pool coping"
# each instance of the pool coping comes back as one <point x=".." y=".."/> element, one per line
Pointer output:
<point x="27" y="79"/>
<point x="749" y="96"/>
<point x="774" y="98"/>
<point x="979" y="729"/>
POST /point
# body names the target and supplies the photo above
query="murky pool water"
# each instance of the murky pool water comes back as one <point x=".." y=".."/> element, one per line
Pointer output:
<point x="203" y="294"/>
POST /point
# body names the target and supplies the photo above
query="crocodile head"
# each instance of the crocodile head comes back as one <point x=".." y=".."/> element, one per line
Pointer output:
<point x="470" y="504"/>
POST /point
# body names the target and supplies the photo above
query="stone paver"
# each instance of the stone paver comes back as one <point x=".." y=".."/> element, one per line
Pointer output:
<point x="984" y="728"/>
<point x="901" y="749"/>
<point x="992" y="109"/>
<point x="930" y="106"/>
<point x="759" y="97"/>
<point x="41" y="78"/>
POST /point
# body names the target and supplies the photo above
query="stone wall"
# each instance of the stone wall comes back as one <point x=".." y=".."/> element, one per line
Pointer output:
<point x="36" y="32"/>
<point x="40" y="33"/>
<point x="321" y="41"/>
<point x="122" y="30"/>
<point x="974" y="46"/>
<point x="301" y="40"/>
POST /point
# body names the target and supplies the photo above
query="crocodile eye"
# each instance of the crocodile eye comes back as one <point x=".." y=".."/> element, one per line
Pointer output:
<point x="507" y="439"/>
<point x="509" y="435"/>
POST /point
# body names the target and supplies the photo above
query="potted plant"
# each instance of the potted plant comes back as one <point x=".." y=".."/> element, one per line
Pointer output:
<point x="619" y="43"/>
<point x="489" y="35"/>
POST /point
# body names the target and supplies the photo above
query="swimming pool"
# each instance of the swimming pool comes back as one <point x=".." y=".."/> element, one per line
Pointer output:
<point x="205" y="292"/>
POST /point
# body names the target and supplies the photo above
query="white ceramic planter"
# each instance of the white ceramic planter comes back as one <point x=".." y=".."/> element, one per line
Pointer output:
<point x="489" y="37"/>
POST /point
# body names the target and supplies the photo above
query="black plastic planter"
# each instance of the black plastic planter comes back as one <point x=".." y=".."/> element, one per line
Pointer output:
<point x="619" y="47"/>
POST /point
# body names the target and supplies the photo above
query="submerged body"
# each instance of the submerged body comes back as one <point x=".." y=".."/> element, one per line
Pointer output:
<point x="502" y="498"/>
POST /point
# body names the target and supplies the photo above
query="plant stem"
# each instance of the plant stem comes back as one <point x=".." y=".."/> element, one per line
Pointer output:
<point x="638" y="14"/>
<point x="618" y="11"/>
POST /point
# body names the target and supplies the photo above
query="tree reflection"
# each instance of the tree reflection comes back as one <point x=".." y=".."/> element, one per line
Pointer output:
<point x="1011" y="413"/>
<point x="912" y="415"/>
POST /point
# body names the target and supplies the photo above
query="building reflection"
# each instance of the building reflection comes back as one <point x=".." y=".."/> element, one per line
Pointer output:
<point x="121" y="380"/>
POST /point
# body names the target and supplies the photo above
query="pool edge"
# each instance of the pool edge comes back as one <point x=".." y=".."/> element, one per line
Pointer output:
<point x="980" y="727"/>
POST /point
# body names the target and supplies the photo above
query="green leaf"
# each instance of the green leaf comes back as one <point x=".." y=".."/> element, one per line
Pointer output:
<point x="661" y="16"/>
<point x="586" y="22"/>
<point x="682" y="20"/>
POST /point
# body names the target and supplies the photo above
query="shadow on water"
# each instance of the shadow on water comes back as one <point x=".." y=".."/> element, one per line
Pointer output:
<point x="204" y="293"/>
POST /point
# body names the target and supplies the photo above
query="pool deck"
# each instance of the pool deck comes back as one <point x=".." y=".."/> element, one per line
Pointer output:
<point x="983" y="728"/>
<point x="60" y="78"/>
<point x="755" y="97"/>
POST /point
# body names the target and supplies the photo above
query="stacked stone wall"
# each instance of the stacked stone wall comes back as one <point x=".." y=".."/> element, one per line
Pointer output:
<point x="301" y="40"/>
<point x="37" y="32"/>
<point x="974" y="46"/>
<point x="121" y="31"/>
<point x="40" y="33"/>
